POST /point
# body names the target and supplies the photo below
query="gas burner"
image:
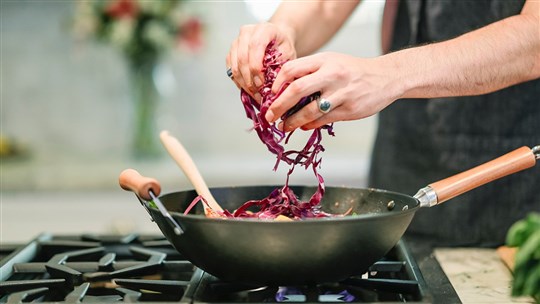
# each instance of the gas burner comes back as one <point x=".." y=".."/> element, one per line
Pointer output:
<point x="392" y="279"/>
<point x="138" y="268"/>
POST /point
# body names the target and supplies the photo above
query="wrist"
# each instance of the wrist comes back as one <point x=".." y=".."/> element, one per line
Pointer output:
<point x="401" y="82"/>
<point x="412" y="75"/>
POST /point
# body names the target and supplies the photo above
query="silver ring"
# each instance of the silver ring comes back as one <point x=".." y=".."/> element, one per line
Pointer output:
<point x="229" y="73"/>
<point x="324" y="105"/>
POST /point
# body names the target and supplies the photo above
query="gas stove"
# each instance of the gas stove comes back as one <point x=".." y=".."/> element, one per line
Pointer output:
<point x="146" y="268"/>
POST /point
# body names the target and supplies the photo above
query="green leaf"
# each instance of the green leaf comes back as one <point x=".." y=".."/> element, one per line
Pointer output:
<point x="522" y="229"/>
<point x="525" y="234"/>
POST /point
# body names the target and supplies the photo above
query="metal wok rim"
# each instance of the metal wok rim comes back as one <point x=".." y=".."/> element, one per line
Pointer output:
<point x="346" y="218"/>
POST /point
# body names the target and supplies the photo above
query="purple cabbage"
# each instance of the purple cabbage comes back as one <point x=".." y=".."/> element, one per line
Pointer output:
<point x="283" y="201"/>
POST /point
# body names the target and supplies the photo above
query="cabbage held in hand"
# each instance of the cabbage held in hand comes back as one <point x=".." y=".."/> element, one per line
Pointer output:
<point x="282" y="202"/>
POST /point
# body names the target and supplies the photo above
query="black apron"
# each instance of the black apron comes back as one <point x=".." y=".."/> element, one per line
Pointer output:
<point x="422" y="141"/>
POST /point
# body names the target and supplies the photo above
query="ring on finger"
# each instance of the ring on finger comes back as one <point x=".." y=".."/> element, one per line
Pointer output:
<point x="324" y="105"/>
<point x="229" y="73"/>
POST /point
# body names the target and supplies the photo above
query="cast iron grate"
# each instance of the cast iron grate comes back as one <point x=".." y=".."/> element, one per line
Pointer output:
<point x="395" y="278"/>
<point x="91" y="268"/>
<point x="137" y="268"/>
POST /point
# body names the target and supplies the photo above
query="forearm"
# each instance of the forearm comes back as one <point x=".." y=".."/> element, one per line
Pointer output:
<point x="312" y="23"/>
<point x="499" y="55"/>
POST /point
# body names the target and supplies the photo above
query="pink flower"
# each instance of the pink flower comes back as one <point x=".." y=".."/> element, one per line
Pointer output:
<point x="122" y="9"/>
<point x="190" y="34"/>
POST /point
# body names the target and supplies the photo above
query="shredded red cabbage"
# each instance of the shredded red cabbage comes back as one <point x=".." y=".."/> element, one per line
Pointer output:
<point x="282" y="201"/>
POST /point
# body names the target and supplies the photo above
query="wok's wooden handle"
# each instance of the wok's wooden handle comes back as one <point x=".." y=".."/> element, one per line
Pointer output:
<point x="183" y="160"/>
<point x="515" y="161"/>
<point x="131" y="180"/>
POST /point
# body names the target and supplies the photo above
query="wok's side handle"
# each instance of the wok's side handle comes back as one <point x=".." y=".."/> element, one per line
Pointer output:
<point x="131" y="180"/>
<point x="515" y="161"/>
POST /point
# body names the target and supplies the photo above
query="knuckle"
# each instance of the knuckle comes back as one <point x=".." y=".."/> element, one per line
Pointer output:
<point x="348" y="107"/>
<point x="278" y="106"/>
<point x="295" y="88"/>
<point x="254" y="70"/>
<point x="249" y="86"/>
<point x="341" y="74"/>
<point x="254" y="43"/>
<point x="286" y="69"/>
<point x="245" y="28"/>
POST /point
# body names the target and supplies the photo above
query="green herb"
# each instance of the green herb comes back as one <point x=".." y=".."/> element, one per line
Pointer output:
<point x="525" y="234"/>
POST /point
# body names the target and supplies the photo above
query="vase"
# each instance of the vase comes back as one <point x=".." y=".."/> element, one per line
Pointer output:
<point x="145" y="97"/>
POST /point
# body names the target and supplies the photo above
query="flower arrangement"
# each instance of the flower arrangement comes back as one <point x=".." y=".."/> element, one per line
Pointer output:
<point x="139" y="28"/>
<point x="143" y="30"/>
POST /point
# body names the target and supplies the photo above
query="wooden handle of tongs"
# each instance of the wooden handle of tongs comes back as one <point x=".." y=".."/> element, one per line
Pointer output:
<point x="177" y="151"/>
<point x="515" y="161"/>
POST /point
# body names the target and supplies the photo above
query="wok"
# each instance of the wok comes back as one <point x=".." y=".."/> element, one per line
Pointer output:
<point x="312" y="250"/>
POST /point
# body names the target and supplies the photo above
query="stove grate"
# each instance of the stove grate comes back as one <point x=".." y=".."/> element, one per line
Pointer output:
<point x="138" y="268"/>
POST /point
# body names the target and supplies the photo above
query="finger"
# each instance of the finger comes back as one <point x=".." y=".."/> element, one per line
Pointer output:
<point x="257" y="52"/>
<point x="294" y="69"/>
<point x="266" y="34"/>
<point x="325" y="119"/>
<point x="233" y="65"/>
<point x="337" y="112"/>
<point x="311" y="116"/>
<point x="289" y="97"/>
<point x="243" y="54"/>
<point x="238" y="80"/>
<point x="229" y="69"/>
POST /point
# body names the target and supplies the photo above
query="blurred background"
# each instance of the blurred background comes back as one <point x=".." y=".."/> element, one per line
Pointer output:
<point x="69" y="112"/>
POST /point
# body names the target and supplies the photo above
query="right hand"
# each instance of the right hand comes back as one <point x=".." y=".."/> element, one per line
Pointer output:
<point x="245" y="57"/>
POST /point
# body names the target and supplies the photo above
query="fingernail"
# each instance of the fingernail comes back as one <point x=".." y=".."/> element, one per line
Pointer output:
<point x="285" y="127"/>
<point x="258" y="81"/>
<point x="257" y="97"/>
<point x="269" y="116"/>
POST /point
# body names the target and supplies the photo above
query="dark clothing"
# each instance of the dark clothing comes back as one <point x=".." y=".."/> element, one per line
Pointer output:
<point x="422" y="141"/>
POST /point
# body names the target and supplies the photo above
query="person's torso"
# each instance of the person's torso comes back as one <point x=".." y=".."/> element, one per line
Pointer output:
<point x="420" y="141"/>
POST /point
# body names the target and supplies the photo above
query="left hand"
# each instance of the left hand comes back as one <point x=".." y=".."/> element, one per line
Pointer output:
<point x="245" y="57"/>
<point x="356" y="87"/>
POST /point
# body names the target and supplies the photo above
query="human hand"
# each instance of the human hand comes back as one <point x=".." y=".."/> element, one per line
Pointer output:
<point x="245" y="57"/>
<point x="355" y="87"/>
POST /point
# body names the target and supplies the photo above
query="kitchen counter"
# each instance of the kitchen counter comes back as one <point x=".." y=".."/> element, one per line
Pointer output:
<point x="478" y="275"/>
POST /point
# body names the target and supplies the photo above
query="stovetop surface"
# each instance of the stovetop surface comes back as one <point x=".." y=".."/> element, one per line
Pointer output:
<point x="146" y="268"/>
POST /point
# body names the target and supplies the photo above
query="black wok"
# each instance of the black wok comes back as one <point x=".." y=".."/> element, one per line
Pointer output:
<point x="312" y="250"/>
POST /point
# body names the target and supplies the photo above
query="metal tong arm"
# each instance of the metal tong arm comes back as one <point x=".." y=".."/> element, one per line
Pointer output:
<point x="147" y="189"/>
